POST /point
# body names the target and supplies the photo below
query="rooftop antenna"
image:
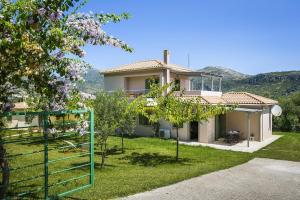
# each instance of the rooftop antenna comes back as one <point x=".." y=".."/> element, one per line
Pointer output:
<point x="188" y="57"/>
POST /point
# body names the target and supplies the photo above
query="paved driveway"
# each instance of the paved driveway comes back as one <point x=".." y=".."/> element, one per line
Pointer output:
<point x="258" y="179"/>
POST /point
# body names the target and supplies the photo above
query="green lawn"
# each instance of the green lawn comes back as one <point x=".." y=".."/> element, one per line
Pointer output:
<point x="147" y="163"/>
<point x="285" y="148"/>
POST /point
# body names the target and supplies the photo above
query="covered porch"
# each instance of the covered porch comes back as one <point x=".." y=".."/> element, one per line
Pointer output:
<point x="241" y="124"/>
<point x="244" y="129"/>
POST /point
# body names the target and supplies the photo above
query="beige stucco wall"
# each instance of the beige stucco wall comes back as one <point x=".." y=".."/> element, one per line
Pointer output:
<point x="114" y="83"/>
<point x="238" y="121"/>
<point x="183" y="133"/>
<point x="184" y="81"/>
<point x="206" y="131"/>
<point x="19" y="121"/>
<point x="136" y="83"/>
<point x="266" y="120"/>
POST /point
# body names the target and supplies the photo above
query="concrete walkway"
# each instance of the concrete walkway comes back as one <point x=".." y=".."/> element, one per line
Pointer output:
<point x="261" y="179"/>
<point x="241" y="146"/>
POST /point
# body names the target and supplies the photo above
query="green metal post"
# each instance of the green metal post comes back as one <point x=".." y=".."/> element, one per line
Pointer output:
<point x="92" y="147"/>
<point x="46" y="154"/>
<point x="45" y="124"/>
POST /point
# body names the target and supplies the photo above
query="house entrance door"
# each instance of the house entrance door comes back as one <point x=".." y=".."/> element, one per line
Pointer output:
<point x="194" y="130"/>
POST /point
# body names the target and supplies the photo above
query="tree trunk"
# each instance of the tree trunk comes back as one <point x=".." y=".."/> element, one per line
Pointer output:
<point x="5" y="172"/>
<point x="177" y="143"/>
<point x="122" y="135"/>
<point x="103" y="154"/>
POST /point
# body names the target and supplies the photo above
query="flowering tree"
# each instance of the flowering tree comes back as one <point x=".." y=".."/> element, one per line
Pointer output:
<point x="41" y="46"/>
<point x="38" y="39"/>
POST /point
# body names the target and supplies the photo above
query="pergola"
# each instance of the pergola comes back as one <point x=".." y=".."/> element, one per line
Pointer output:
<point x="249" y="111"/>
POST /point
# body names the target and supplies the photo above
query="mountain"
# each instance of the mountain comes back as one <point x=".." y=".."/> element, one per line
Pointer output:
<point x="273" y="84"/>
<point x="227" y="73"/>
<point x="94" y="82"/>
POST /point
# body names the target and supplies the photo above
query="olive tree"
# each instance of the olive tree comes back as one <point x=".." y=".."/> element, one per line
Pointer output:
<point x="130" y="108"/>
<point x="113" y="111"/>
<point x="290" y="118"/>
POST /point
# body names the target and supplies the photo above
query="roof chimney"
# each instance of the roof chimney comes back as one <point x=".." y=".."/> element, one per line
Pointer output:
<point x="166" y="57"/>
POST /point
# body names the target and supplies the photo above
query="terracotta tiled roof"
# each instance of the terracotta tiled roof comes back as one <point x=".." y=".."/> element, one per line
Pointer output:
<point x="246" y="98"/>
<point x="214" y="99"/>
<point x="240" y="98"/>
<point x="204" y="99"/>
<point x="145" y="65"/>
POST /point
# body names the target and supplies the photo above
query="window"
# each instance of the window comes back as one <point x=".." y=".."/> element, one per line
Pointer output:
<point x="150" y="81"/>
<point x="207" y="83"/>
<point x="196" y="84"/>
<point x="176" y="85"/>
<point x="143" y="121"/>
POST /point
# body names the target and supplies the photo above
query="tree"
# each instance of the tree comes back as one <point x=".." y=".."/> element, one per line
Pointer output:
<point x="113" y="111"/>
<point x="129" y="111"/>
<point x="36" y="36"/>
<point x="290" y="117"/>
<point x="150" y="110"/>
<point x="177" y="110"/>
<point x="41" y="46"/>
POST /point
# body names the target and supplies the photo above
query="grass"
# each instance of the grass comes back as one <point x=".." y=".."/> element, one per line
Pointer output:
<point x="147" y="163"/>
<point x="285" y="148"/>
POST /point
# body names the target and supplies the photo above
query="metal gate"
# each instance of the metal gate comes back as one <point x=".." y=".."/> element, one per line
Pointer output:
<point x="49" y="154"/>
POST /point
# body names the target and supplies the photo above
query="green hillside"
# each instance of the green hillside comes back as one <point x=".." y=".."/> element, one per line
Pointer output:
<point x="93" y="82"/>
<point x="273" y="84"/>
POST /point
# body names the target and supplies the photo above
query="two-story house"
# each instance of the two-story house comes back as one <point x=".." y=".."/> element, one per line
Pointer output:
<point x="252" y="119"/>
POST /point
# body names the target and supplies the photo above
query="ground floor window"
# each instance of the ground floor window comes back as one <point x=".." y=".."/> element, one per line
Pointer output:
<point x="144" y="121"/>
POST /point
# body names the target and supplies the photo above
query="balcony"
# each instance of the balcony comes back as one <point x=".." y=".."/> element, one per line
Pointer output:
<point x="136" y="93"/>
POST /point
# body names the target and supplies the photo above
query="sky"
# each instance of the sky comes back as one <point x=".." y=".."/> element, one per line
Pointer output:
<point x="250" y="36"/>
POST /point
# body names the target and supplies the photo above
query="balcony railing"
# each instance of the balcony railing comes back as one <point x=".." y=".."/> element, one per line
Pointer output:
<point x="135" y="93"/>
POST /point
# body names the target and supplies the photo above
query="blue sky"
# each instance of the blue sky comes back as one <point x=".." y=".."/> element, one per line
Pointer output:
<point x="251" y="36"/>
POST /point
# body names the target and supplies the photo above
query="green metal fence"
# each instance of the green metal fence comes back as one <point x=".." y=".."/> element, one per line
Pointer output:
<point x="48" y="155"/>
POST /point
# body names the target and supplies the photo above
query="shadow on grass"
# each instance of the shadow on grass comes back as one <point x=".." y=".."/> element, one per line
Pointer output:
<point x="153" y="159"/>
<point x="74" y="198"/>
<point x="26" y="194"/>
<point x="115" y="150"/>
<point x="126" y="136"/>
<point x="87" y="167"/>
